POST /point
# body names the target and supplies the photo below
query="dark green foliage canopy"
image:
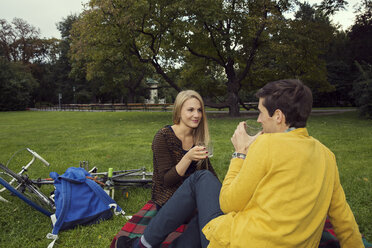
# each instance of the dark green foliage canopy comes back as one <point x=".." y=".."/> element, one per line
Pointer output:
<point x="223" y="49"/>
<point x="16" y="85"/>
<point x="216" y="47"/>
<point x="362" y="90"/>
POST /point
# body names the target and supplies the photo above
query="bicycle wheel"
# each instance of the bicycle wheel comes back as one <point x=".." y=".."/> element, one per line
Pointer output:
<point x="22" y="187"/>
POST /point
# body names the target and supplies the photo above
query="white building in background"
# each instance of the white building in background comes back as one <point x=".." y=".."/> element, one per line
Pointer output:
<point x="153" y="92"/>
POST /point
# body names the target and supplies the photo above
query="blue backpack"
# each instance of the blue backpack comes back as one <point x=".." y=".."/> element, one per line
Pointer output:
<point x="79" y="201"/>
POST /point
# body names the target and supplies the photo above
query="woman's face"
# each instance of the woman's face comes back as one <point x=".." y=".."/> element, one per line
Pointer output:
<point x="191" y="113"/>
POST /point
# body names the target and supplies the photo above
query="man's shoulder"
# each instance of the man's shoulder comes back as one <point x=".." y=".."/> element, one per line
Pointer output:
<point x="292" y="136"/>
<point x="324" y="147"/>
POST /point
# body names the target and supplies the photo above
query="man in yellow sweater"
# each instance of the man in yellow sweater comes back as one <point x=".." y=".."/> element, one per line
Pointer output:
<point x="279" y="189"/>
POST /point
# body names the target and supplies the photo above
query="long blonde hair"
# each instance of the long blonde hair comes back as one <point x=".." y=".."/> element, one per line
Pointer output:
<point x="201" y="133"/>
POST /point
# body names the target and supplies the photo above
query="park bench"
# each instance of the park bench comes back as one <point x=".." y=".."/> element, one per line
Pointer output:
<point x="158" y="106"/>
<point x="251" y="105"/>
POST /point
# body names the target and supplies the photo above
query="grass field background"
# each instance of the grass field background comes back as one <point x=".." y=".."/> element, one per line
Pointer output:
<point x="122" y="140"/>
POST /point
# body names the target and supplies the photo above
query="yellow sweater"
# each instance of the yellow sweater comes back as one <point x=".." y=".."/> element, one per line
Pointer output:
<point x="280" y="195"/>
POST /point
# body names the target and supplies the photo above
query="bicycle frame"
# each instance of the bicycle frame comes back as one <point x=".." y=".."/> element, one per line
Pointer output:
<point x="102" y="177"/>
<point x="121" y="173"/>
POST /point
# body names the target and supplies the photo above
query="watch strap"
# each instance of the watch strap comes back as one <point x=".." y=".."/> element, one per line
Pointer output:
<point x="238" y="155"/>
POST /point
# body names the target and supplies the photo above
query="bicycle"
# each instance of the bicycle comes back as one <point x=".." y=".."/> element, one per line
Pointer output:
<point x="28" y="190"/>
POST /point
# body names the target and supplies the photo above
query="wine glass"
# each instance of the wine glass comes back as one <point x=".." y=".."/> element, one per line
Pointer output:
<point x="208" y="146"/>
<point x="252" y="127"/>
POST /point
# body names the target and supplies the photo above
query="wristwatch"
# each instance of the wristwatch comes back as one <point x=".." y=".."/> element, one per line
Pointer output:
<point x="238" y="155"/>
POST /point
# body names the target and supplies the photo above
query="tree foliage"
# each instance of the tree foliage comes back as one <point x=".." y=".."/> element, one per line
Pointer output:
<point x="339" y="73"/>
<point x="223" y="49"/>
<point x="360" y="34"/>
<point x="20" y="42"/>
<point x="28" y="59"/>
<point x="330" y="7"/>
<point x="74" y="88"/>
<point x="300" y="47"/>
<point x="16" y="85"/>
<point x="363" y="90"/>
<point x="96" y="52"/>
<point x="219" y="48"/>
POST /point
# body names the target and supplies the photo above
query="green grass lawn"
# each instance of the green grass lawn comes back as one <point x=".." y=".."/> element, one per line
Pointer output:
<point x="122" y="140"/>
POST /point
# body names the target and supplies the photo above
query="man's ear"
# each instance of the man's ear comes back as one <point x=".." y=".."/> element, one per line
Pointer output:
<point x="279" y="116"/>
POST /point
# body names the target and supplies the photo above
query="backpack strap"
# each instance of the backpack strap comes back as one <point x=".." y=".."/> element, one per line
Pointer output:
<point x="52" y="236"/>
<point x="104" y="197"/>
<point x="66" y="192"/>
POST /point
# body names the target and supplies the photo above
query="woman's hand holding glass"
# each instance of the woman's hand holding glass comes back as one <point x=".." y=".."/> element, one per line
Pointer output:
<point x="208" y="147"/>
<point x="197" y="153"/>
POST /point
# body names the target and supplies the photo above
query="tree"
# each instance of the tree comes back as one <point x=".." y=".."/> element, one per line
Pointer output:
<point x="20" y="41"/>
<point x="225" y="35"/>
<point x="52" y="72"/>
<point x="363" y="90"/>
<point x="73" y="87"/>
<point x="330" y="7"/>
<point x="121" y="76"/>
<point x="345" y="48"/>
<point x="221" y="48"/>
<point x="360" y="34"/>
<point x="16" y="85"/>
<point x="299" y="48"/>
<point x="340" y="73"/>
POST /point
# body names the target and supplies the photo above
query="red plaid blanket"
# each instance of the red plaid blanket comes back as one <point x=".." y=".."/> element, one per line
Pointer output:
<point x="329" y="239"/>
<point x="137" y="224"/>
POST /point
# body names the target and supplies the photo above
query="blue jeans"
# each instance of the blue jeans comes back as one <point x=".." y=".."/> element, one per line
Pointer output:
<point x="200" y="191"/>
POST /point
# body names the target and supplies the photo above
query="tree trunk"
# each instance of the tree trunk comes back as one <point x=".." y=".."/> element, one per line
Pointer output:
<point x="233" y="86"/>
<point x="233" y="98"/>
<point x="131" y="95"/>
<point x="233" y="102"/>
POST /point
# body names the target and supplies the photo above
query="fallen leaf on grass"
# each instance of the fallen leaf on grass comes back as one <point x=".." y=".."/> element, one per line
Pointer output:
<point x="365" y="179"/>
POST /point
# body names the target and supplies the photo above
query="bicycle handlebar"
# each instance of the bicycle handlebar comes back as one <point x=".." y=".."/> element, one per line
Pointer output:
<point x="38" y="156"/>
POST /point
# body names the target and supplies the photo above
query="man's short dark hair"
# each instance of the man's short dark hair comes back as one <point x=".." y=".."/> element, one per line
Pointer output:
<point x="290" y="96"/>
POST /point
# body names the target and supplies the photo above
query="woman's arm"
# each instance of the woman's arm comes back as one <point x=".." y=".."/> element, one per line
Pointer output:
<point x="194" y="154"/>
<point x="166" y="164"/>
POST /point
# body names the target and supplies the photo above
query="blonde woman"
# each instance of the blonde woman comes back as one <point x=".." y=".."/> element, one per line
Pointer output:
<point x="176" y="154"/>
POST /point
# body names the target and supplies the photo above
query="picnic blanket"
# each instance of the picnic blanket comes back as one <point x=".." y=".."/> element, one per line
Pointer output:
<point x="137" y="224"/>
<point x="329" y="239"/>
